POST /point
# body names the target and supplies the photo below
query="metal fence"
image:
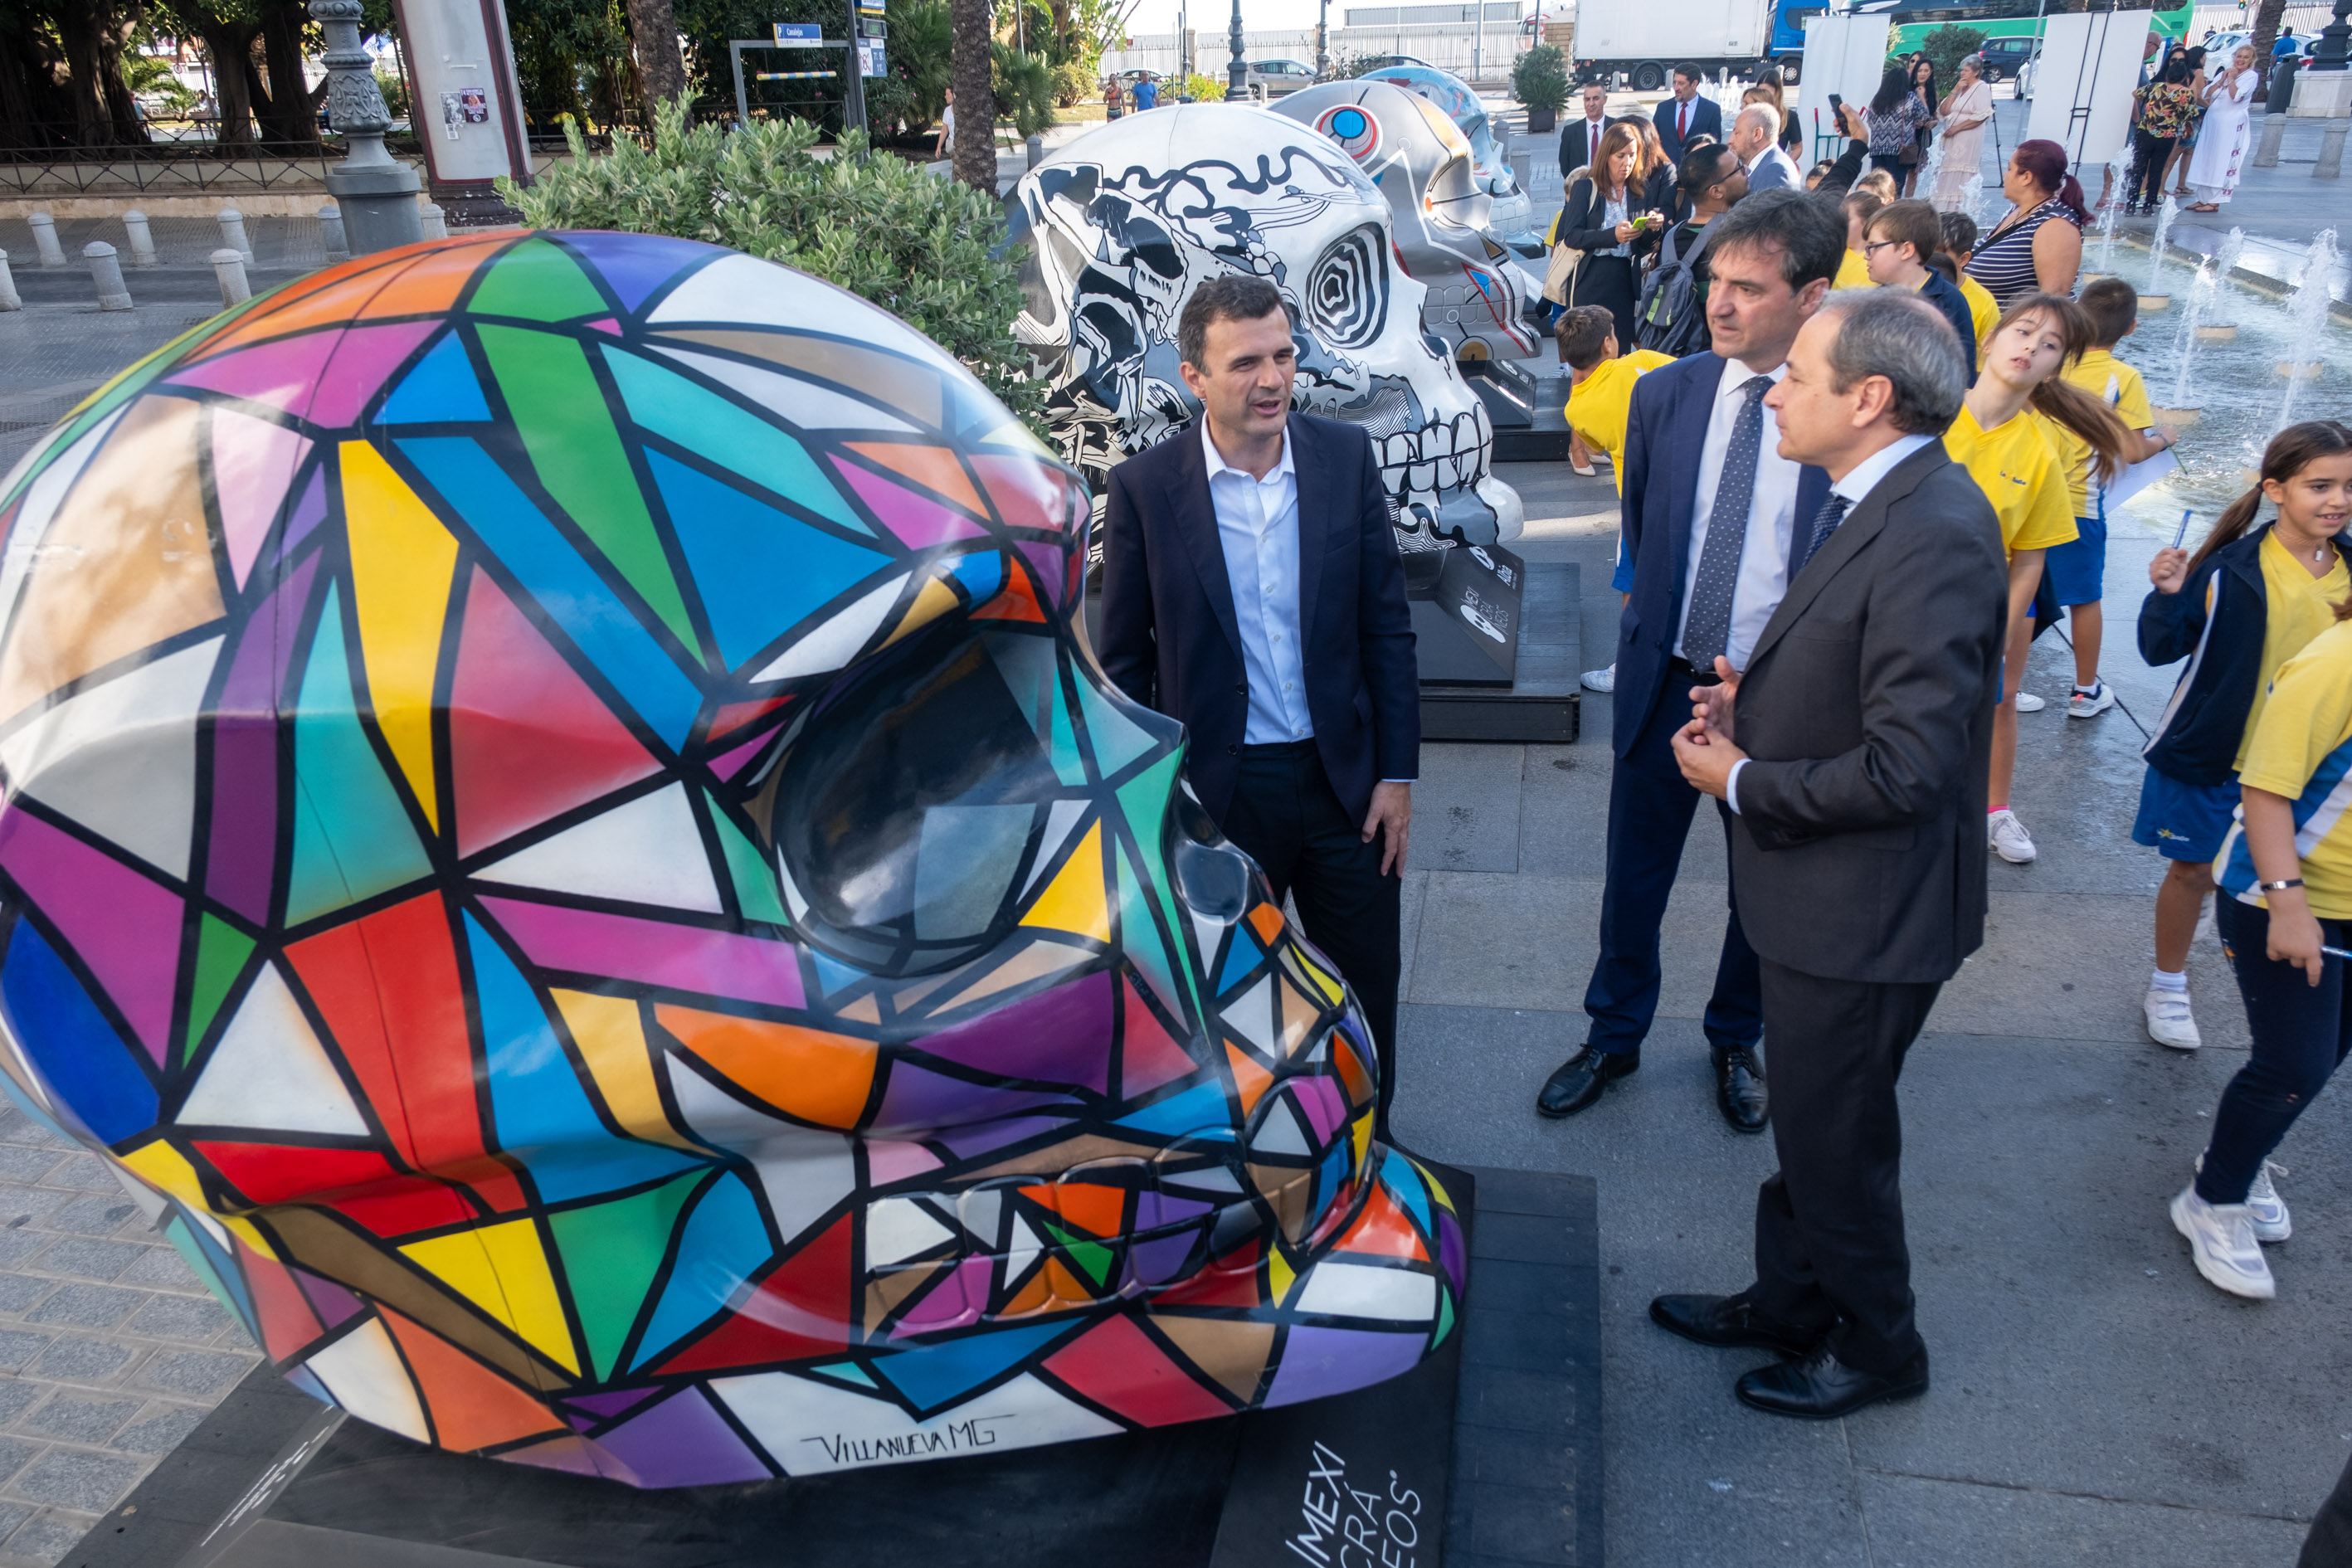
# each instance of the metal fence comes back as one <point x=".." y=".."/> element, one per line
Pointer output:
<point x="1450" y="47"/>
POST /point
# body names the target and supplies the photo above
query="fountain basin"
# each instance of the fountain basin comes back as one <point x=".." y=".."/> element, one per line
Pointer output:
<point x="2300" y="370"/>
<point x="2178" y="418"/>
<point x="2222" y="334"/>
<point x="2148" y="302"/>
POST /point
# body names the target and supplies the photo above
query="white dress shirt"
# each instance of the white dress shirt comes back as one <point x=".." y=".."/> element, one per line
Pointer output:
<point x="1859" y="481"/>
<point x="1258" y="528"/>
<point x="1771" y="519"/>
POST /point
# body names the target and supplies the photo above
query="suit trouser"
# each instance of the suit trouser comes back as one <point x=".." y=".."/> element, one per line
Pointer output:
<point x="2330" y="1545"/>
<point x="1650" y="807"/>
<point x="1830" y="1254"/>
<point x="1284" y="815"/>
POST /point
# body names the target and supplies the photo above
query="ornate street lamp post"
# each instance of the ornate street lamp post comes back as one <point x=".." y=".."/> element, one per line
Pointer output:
<point x="2334" y="50"/>
<point x="376" y="192"/>
<point x="1322" y="39"/>
<point x="1237" y="73"/>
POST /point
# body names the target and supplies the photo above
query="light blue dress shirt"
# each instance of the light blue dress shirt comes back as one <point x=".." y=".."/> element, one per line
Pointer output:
<point x="1258" y="528"/>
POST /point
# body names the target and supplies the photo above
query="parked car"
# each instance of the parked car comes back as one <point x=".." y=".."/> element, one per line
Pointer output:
<point x="2026" y="73"/>
<point x="1274" y="79"/>
<point x="2004" y="57"/>
<point x="1381" y="62"/>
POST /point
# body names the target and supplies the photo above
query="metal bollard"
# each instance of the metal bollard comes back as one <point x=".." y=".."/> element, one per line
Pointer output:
<point x="1035" y="147"/>
<point x="330" y="233"/>
<point x="2331" y="151"/>
<point x="142" y="242"/>
<point x="433" y="221"/>
<point x="9" y="299"/>
<point x="106" y="275"/>
<point x="232" y="227"/>
<point x="228" y="266"/>
<point x="2266" y="154"/>
<point x="1523" y="169"/>
<point x="45" y="240"/>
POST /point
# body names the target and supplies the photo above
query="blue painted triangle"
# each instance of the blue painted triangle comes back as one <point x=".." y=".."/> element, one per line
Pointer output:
<point x="944" y="1373"/>
<point x="831" y="974"/>
<point x="846" y="1372"/>
<point x="1241" y="960"/>
<point x="1202" y="1105"/>
<point x="1117" y="739"/>
<point x="352" y="839"/>
<point x="1404" y="1182"/>
<point x="442" y="386"/>
<point x="723" y="1243"/>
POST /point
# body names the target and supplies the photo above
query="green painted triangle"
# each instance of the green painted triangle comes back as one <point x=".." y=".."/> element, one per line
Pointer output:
<point x="1444" y="1318"/>
<point x="221" y="952"/>
<point x="539" y="282"/>
<point x="611" y="1251"/>
<point x="567" y="427"/>
<point x="352" y="838"/>
<point x="755" y="884"/>
<point x="1139" y="933"/>
<point x="1093" y="1259"/>
<point x="846" y="1372"/>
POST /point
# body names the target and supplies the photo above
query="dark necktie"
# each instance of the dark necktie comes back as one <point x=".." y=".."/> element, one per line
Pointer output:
<point x="1708" y="631"/>
<point x="1825" y="522"/>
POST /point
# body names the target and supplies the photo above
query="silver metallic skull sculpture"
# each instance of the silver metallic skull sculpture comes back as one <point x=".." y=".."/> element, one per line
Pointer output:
<point x="1421" y="162"/>
<point x="1125" y="222"/>
<point x="1513" y="216"/>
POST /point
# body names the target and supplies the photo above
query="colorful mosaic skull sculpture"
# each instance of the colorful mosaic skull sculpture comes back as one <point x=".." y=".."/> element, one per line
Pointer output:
<point x="1513" y="214"/>
<point x="560" y="833"/>
<point x="1123" y="223"/>
<point x="1421" y="162"/>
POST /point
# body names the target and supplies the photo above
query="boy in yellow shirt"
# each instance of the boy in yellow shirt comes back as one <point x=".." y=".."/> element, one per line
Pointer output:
<point x="1959" y="244"/>
<point x="1853" y="267"/>
<point x="2078" y="570"/>
<point x="1599" y="401"/>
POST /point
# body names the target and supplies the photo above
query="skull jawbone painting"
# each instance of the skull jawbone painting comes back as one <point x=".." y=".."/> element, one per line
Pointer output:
<point x="561" y="829"/>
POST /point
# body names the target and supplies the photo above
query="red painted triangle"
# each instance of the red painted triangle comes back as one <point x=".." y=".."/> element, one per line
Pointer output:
<point x="1148" y="1057"/>
<point x="801" y="1310"/>
<point x="528" y="738"/>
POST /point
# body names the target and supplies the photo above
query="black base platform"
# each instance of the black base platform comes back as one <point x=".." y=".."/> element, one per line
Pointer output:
<point x="1487" y="1456"/>
<point x="1544" y="438"/>
<point x="1541" y="707"/>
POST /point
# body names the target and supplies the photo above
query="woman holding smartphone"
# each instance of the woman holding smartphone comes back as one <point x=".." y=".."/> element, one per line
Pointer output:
<point x="1611" y="218"/>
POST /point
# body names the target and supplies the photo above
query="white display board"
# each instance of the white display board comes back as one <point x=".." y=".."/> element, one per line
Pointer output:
<point x="467" y="103"/>
<point x="2083" y="88"/>
<point x="1843" y="55"/>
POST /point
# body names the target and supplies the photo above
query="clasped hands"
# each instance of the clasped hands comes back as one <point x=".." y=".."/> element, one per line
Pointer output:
<point x="1703" y="748"/>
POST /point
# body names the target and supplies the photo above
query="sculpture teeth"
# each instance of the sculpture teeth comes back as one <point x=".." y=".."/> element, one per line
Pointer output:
<point x="1436" y="458"/>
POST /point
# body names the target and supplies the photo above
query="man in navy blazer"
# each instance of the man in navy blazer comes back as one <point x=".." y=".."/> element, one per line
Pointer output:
<point x="1252" y="588"/>
<point x="1711" y="514"/>
<point x="1686" y="115"/>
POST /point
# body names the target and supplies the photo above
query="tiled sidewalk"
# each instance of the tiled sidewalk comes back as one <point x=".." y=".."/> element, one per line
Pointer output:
<point x="110" y="1351"/>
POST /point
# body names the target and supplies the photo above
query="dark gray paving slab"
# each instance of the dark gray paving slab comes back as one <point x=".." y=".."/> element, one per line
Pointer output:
<point x="1920" y="1523"/>
<point x="1467" y="808"/>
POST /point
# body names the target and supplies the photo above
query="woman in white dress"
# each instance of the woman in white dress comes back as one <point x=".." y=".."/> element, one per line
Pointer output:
<point x="2227" y="136"/>
<point x="1960" y="121"/>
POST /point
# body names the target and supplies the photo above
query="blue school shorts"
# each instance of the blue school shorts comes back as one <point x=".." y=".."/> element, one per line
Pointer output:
<point x="2184" y="821"/>
<point x="2078" y="569"/>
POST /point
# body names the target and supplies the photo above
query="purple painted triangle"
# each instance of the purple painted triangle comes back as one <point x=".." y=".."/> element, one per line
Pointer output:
<point x="682" y="1442"/>
<point x="1049" y="562"/>
<point x="1062" y="1035"/>
<point x="325" y="376"/>
<point x="607" y="1405"/>
<point x="635" y="265"/>
<point x="334" y="1305"/>
<point x="918" y="521"/>
<point x="726" y="764"/>
<point x="919" y="1100"/>
<point x="576" y="1454"/>
<point x="124" y="927"/>
<point x="308" y="513"/>
<point x="606" y="324"/>
<point x="241" y="857"/>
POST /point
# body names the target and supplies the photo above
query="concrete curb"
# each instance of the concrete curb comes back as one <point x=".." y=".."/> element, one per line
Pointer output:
<point x="2260" y="283"/>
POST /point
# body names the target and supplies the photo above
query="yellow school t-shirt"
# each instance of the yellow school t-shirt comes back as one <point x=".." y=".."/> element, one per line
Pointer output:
<point x="2117" y="385"/>
<point x="2301" y="607"/>
<point x="2019" y="471"/>
<point x="2302" y="749"/>
<point x="1854" y="272"/>
<point x="1598" y="406"/>
<point x="1981" y="309"/>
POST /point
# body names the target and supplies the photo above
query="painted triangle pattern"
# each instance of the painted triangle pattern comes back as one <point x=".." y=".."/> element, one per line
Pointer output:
<point x="583" y="860"/>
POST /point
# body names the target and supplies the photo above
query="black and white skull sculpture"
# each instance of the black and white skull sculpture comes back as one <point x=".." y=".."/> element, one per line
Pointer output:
<point x="1125" y="222"/>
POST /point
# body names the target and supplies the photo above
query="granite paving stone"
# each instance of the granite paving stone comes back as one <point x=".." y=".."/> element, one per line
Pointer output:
<point x="78" y="1359"/>
<point x="194" y="1374"/>
<point x="88" y="1306"/>
<point x="17" y="1395"/>
<point x="192" y="1319"/>
<point x="16" y="1348"/>
<point x="80" y="1420"/>
<point x="91" y="1259"/>
<point x="70" y="1477"/>
<point x="161" y="1430"/>
<point x="161" y="1269"/>
<point x="49" y="1535"/>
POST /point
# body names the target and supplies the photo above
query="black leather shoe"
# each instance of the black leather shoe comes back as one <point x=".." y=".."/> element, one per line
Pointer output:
<point x="1729" y="1320"/>
<point x="1582" y="1077"/>
<point x="1823" y="1388"/>
<point x="1739" y="1088"/>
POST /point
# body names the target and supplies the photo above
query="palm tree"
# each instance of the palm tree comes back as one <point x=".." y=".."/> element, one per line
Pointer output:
<point x="975" y="104"/>
<point x="2266" y="27"/>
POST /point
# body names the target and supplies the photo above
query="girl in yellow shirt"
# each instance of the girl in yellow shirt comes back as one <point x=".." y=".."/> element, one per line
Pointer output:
<point x="2006" y="437"/>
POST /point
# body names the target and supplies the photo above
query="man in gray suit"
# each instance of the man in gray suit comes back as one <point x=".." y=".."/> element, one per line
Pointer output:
<point x="1853" y="751"/>
<point x="1755" y="137"/>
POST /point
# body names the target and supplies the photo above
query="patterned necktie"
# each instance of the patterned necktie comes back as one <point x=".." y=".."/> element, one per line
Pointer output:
<point x="1708" y="631"/>
<point x="1825" y="522"/>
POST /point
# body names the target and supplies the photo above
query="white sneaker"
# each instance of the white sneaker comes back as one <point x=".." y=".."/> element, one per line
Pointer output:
<point x="1600" y="680"/>
<point x="2029" y="703"/>
<point x="2221" y="1243"/>
<point x="2170" y="1022"/>
<point x="2264" y="1206"/>
<point x="2009" y="838"/>
<point x="2090" y="705"/>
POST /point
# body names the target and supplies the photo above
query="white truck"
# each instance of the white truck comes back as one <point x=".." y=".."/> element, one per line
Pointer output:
<point x="1643" y="40"/>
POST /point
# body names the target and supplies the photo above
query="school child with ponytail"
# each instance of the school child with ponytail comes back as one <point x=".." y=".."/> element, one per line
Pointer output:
<point x="2285" y="876"/>
<point x="2247" y="601"/>
<point x="2007" y="436"/>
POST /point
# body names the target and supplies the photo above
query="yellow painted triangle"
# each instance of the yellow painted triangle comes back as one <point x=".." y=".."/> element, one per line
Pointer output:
<point x="1328" y="986"/>
<point x="1363" y="1136"/>
<point x="612" y="1041"/>
<point x="935" y="600"/>
<point x="401" y="562"/>
<point x="1279" y="1275"/>
<point x="1074" y="899"/>
<point x="165" y="1168"/>
<point x="503" y="1270"/>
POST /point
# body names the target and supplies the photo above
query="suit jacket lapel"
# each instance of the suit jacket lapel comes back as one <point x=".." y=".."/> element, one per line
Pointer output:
<point x="1314" y="489"/>
<point x="1196" y="518"/>
<point x="1859" y="527"/>
<point x="1688" y="435"/>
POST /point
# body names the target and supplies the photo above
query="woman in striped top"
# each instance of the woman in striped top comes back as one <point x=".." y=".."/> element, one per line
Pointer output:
<point x="2038" y="248"/>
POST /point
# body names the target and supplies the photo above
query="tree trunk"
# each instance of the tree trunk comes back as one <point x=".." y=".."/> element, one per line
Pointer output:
<point x="2266" y="27"/>
<point x="975" y="101"/>
<point x="292" y="122"/>
<point x="230" y="45"/>
<point x="80" y="28"/>
<point x="661" y="70"/>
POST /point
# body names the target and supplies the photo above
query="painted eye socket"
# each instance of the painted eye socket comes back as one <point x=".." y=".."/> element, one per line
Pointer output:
<point x="1347" y="290"/>
<point x="1357" y="133"/>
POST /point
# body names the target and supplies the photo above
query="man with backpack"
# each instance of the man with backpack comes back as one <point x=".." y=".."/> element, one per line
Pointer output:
<point x="1670" y="318"/>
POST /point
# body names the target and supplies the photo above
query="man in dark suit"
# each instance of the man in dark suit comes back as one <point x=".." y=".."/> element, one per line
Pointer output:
<point x="1853" y="751"/>
<point x="1755" y="137"/>
<point x="1686" y="115"/>
<point x="1709" y="512"/>
<point x="1252" y="589"/>
<point x="1580" y="138"/>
